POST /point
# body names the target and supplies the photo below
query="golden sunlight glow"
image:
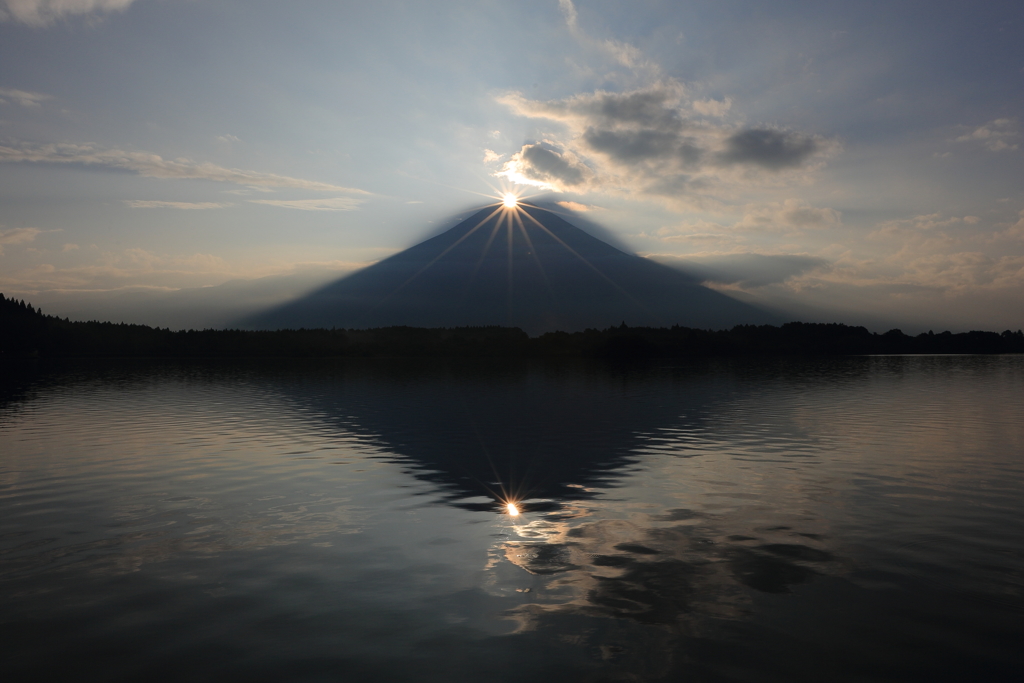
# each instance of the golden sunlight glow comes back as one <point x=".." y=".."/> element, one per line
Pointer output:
<point x="510" y="200"/>
<point x="512" y="509"/>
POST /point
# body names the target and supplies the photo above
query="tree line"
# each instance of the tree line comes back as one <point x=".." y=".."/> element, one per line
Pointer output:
<point x="25" y="332"/>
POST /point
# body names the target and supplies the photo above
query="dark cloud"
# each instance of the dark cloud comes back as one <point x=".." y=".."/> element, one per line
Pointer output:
<point x="545" y="163"/>
<point x="551" y="164"/>
<point x="768" y="148"/>
<point x="654" y="141"/>
<point x="631" y="146"/>
<point x="646" y="108"/>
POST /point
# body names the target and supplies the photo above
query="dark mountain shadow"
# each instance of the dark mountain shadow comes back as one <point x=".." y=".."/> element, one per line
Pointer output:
<point x="541" y="429"/>
<point x="524" y="267"/>
<point x="538" y="430"/>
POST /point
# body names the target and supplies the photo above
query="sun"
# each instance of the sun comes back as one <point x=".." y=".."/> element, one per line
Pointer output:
<point x="512" y="509"/>
<point x="510" y="200"/>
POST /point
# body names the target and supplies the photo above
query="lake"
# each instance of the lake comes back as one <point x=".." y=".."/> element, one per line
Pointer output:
<point x="842" y="519"/>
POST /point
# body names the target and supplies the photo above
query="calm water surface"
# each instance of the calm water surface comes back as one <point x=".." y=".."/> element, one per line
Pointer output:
<point x="859" y="519"/>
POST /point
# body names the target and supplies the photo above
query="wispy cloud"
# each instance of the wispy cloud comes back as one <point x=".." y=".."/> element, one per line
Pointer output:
<point x="622" y="53"/>
<point x="996" y="136"/>
<point x="135" y="268"/>
<point x="576" y="206"/>
<point x="930" y="252"/>
<point x="155" y="166"/>
<point x="791" y="216"/>
<point x="44" y="12"/>
<point x="1015" y="231"/>
<point x="110" y="270"/>
<point x="326" y="204"/>
<point x="23" y="97"/>
<point x="17" y="236"/>
<point x="155" y="204"/>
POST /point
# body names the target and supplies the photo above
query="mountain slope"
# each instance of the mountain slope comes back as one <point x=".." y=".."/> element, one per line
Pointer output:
<point x="524" y="267"/>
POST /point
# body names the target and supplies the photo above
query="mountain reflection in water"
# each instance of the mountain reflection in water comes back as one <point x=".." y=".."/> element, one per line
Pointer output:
<point x="840" y="519"/>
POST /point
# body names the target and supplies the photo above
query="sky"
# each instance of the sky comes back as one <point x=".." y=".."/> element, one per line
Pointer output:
<point x="176" y="162"/>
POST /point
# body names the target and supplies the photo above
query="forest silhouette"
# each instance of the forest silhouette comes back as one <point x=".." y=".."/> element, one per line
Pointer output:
<point x="25" y="332"/>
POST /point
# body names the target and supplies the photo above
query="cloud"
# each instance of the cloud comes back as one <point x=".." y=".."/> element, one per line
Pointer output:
<point x="929" y="266"/>
<point x="951" y="273"/>
<point x="772" y="149"/>
<point x="545" y="165"/>
<point x="921" y="223"/>
<point x="637" y="146"/>
<point x="1015" y="231"/>
<point x="930" y="269"/>
<point x="44" y="12"/>
<point x="129" y="267"/>
<point x="746" y="270"/>
<point x="995" y="136"/>
<point x="327" y="204"/>
<point x="17" y="236"/>
<point x="576" y="206"/>
<point x="69" y="247"/>
<point x="925" y="232"/>
<point x="228" y="138"/>
<point x="23" y="97"/>
<point x="652" y="107"/>
<point x="787" y="216"/>
<point x="490" y="155"/>
<point x="943" y="255"/>
<point x="700" y="232"/>
<point x="249" y="190"/>
<point x="140" y="269"/>
<point x="153" y="166"/>
<point x="623" y="53"/>
<point x="654" y="141"/>
<point x="712" y="107"/>
<point x="154" y="204"/>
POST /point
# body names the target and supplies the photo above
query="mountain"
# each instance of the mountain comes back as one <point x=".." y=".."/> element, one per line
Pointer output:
<point x="520" y="267"/>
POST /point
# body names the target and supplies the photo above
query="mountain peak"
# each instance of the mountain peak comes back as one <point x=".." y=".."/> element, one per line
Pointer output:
<point x="520" y="267"/>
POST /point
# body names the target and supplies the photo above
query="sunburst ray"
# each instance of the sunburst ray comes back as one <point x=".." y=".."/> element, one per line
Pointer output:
<point x="483" y="255"/>
<point x="533" y="252"/>
<point x="590" y="265"/>
<point x="452" y="246"/>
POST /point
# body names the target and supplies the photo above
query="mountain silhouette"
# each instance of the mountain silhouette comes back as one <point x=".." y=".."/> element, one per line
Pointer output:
<point x="520" y="267"/>
<point x="536" y="428"/>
